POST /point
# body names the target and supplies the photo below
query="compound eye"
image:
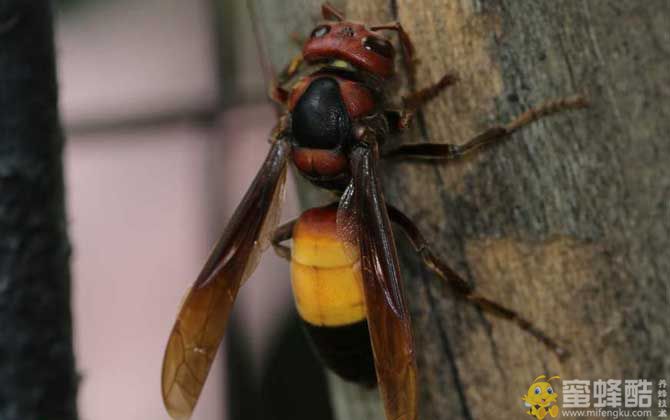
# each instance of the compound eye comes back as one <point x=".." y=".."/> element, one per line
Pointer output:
<point x="320" y="31"/>
<point x="550" y="390"/>
<point x="538" y="390"/>
<point x="379" y="46"/>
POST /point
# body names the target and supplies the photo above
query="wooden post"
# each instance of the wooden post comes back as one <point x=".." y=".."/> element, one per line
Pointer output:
<point x="37" y="375"/>
<point x="566" y="222"/>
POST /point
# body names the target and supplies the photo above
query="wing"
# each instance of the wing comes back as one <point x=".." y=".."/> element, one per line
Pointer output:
<point x="363" y="209"/>
<point x="203" y="316"/>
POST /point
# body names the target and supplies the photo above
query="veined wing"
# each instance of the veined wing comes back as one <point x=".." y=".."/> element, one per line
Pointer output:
<point x="203" y="316"/>
<point x="363" y="211"/>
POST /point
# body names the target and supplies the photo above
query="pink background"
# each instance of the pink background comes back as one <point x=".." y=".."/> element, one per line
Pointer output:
<point x="149" y="188"/>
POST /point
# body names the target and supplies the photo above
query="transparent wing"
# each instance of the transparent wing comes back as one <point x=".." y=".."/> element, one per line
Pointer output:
<point x="203" y="316"/>
<point x="347" y="222"/>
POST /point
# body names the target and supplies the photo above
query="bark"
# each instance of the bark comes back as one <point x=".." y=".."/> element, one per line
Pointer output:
<point x="36" y="358"/>
<point x="567" y="222"/>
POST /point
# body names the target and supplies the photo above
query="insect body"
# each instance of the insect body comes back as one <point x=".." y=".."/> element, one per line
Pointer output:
<point x="345" y="273"/>
<point x="328" y="289"/>
<point x="322" y="126"/>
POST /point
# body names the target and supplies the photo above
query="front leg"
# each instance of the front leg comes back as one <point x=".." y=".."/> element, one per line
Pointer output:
<point x="407" y="47"/>
<point x="400" y="119"/>
<point x="277" y="91"/>
<point x="446" y="151"/>
<point x="414" y="101"/>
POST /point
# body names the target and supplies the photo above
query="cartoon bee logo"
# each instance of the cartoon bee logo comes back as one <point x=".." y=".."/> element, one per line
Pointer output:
<point x="541" y="398"/>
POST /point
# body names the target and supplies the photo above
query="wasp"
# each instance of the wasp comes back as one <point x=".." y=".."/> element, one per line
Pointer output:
<point x="344" y="264"/>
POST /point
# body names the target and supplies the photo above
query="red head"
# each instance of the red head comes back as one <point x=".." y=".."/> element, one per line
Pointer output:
<point x="362" y="47"/>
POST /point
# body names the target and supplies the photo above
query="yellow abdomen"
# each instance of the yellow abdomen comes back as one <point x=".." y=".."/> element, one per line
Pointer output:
<point x="326" y="277"/>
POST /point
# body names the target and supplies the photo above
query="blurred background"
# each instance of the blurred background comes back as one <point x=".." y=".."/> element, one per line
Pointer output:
<point x="164" y="107"/>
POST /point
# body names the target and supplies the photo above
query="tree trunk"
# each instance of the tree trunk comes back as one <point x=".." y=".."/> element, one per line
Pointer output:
<point x="37" y="376"/>
<point x="567" y="222"/>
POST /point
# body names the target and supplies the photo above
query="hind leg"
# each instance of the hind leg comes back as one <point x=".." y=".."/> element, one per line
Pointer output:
<point x="463" y="287"/>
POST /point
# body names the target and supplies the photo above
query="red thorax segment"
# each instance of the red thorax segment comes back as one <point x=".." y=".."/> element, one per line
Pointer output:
<point x="318" y="162"/>
<point x="358" y="99"/>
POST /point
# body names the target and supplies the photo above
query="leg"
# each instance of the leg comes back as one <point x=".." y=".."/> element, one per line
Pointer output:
<point x="399" y="120"/>
<point x="281" y="234"/>
<point x="463" y="287"/>
<point x="444" y="151"/>
<point x="329" y="12"/>
<point x="405" y="44"/>
<point x="419" y="98"/>
<point x="414" y="101"/>
<point x="276" y="91"/>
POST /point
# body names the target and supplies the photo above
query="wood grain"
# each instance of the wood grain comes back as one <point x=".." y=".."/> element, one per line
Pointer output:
<point x="567" y="222"/>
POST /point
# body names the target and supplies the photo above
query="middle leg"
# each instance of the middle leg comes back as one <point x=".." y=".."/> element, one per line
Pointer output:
<point x="465" y="288"/>
<point x="281" y="234"/>
<point x="445" y="151"/>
